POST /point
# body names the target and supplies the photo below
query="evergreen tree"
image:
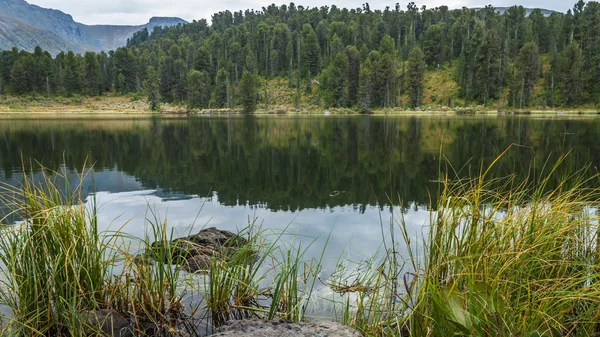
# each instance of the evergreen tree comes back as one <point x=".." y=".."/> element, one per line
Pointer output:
<point x="152" y="88"/>
<point x="249" y="92"/>
<point x="527" y="70"/>
<point x="433" y="46"/>
<point x="198" y="89"/>
<point x="353" y="74"/>
<point x="91" y="75"/>
<point x="222" y="89"/>
<point x="20" y="76"/>
<point x="71" y="74"/>
<point x="570" y="67"/>
<point x="416" y="74"/>
<point x="366" y="86"/>
<point x="311" y="51"/>
<point x="385" y="81"/>
<point x="336" y="81"/>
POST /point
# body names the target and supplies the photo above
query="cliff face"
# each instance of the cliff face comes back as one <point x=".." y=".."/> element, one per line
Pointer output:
<point x="26" y="26"/>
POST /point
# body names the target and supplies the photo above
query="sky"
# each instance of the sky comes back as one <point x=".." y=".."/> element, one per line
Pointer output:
<point x="135" y="12"/>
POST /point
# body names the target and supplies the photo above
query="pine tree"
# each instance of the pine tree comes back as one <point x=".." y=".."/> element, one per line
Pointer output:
<point x="91" y="75"/>
<point x="416" y="74"/>
<point x="433" y="46"/>
<point x="222" y="89"/>
<point x="71" y="71"/>
<point x="249" y="92"/>
<point x="336" y="81"/>
<point x="385" y="81"/>
<point x="570" y="67"/>
<point x="198" y="89"/>
<point x="353" y="74"/>
<point x="366" y="86"/>
<point x="152" y="88"/>
<point x="311" y="51"/>
<point x="527" y="70"/>
<point x="20" y="78"/>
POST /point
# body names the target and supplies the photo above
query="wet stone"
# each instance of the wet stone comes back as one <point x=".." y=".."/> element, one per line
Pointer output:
<point x="109" y="322"/>
<point x="194" y="251"/>
<point x="255" y="328"/>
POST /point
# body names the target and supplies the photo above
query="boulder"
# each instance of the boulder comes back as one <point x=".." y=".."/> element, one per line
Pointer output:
<point x="194" y="251"/>
<point x="255" y="328"/>
<point x="198" y="263"/>
<point x="109" y="323"/>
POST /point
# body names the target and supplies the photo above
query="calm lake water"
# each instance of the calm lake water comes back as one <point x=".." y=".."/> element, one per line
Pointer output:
<point x="315" y="175"/>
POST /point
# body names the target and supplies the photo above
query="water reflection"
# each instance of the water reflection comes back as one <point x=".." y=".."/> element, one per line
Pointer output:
<point x="297" y="163"/>
<point x="316" y="175"/>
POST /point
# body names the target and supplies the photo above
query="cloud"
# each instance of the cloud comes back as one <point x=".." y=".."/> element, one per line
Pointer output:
<point x="135" y="12"/>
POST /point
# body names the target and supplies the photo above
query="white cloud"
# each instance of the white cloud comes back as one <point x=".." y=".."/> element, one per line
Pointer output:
<point x="134" y="12"/>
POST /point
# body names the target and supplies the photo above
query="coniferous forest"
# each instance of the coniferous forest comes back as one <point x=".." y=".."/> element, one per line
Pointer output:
<point x="344" y="58"/>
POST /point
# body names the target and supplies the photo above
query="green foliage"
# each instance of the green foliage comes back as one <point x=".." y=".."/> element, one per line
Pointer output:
<point x="152" y="87"/>
<point x="20" y="76"/>
<point x="416" y="73"/>
<point x="223" y="97"/>
<point x="365" y="93"/>
<point x="198" y="89"/>
<point x="525" y="73"/>
<point x="249" y="91"/>
<point x="91" y="75"/>
<point x="311" y="51"/>
<point x="71" y="72"/>
<point x="493" y="52"/>
<point x="433" y="45"/>
<point x="335" y="81"/>
<point x="570" y="74"/>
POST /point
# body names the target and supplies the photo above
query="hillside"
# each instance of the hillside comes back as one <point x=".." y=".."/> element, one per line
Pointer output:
<point x="26" y="26"/>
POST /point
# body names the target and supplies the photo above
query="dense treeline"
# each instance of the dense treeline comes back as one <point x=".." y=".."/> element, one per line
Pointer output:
<point x="358" y="58"/>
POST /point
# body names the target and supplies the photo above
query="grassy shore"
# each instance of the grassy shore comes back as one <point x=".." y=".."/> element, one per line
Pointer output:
<point x="136" y="105"/>
<point x="499" y="257"/>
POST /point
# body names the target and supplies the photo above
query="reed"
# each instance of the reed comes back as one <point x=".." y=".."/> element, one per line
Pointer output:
<point x="54" y="262"/>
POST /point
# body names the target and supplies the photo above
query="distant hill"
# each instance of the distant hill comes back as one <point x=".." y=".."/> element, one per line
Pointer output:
<point x="26" y="26"/>
<point x="501" y="10"/>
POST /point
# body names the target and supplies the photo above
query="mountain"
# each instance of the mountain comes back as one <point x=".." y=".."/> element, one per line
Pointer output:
<point x="26" y="26"/>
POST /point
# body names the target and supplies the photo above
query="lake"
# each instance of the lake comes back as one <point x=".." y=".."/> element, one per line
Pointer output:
<point x="348" y="176"/>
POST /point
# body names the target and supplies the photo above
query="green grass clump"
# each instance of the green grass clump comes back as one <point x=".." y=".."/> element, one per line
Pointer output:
<point x="508" y="258"/>
<point x="58" y="270"/>
<point x="54" y="261"/>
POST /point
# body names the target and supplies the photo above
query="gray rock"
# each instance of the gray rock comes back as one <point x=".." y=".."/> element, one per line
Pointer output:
<point x="109" y="322"/>
<point x="194" y="251"/>
<point x="198" y="263"/>
<point x="255" y="328"/>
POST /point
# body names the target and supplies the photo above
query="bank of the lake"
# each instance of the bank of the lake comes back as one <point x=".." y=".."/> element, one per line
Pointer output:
<point x="136" y="105"/>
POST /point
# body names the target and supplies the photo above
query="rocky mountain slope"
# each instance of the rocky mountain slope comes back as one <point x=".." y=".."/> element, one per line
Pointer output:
<point x="26" y="26"/>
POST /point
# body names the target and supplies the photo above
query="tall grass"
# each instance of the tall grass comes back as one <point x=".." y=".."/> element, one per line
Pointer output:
<point x="511" y="258"/>
<point x="58" y="270"/>
<point x="54" y="262"/>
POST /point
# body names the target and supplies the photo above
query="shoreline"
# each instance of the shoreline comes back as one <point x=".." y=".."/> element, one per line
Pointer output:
<point x="127" y="106"/>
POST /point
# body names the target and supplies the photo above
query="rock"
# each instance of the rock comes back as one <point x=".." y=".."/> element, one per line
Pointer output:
<point x="194" y="251"/>
<point x="255" y="328"/>
<point x="197" y="263"/>
<point x="109" y="322"/>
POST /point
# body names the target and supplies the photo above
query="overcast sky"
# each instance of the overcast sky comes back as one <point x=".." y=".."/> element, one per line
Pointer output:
<point x="134" y="12"/>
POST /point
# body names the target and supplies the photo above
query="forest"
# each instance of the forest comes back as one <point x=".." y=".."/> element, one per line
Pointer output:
<point x="357" y="58"/>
